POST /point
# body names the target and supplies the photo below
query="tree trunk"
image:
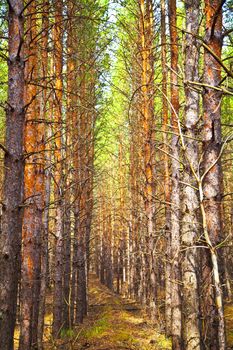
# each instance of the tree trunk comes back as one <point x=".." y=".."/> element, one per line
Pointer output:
<point x="175" y="178"/>
<point x="167" y="196"/>
<point x="212" y="305"/>
<point x="147" y="80"/>
<point x="47" y="187"/>
<point x="44" y="253"/>
<point x="58" y="269"/>
<point x="13" y="180"/>
<point x="71" y="86"/>
<point x="81" y="306"/>
<point x="190" y="203"/>
<point x="33" y="193"/>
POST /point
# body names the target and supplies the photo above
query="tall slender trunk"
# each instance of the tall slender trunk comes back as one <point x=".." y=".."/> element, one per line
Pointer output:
<point x="33" y="192"/>
<point x="190" y="203"/>
<point x="45" y="248"/>
<point x="134" y="219"/>
<point x="136" y="172"/>
<point x="212" y="304"/>
<point x="13" y="180"/>
<point x="167" y="196"/>
<point x="122" y="233"/>
<point x="102" y="246"/>
<point x="47" y="186"/>
<point x="147" y="79"/>
<point x="109" y="272"/>
<point x="81" y="306"/>
<point x="91" y="118"/>
<point x="77" y="190"/>
<point x="175" y="178"/>
<point x="67" y="253"/>
<point x="89" y="174"/>
<point x="58" y="268"/>
<point x="71" y="85"/>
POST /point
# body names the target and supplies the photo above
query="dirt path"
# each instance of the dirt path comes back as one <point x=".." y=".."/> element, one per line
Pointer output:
<point x="113" y="323"/>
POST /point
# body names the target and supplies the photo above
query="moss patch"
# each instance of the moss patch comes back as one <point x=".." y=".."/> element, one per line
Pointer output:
<point x="98" y="329"/>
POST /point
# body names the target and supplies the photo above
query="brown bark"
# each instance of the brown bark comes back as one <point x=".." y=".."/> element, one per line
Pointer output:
<point x="90" y="167"/>
<point x="81" y="306"/>
<point x="109" y="272"/>
<point x="147" y="36"/>
<point x="45" y="249"/>
<point x="136" y="171"/>
<point x="175" y="178"/>
<point x="13" y="180"/>
<point x="47" y="180"/>
<point x="134" y="236"/>
<point x="102" y="253"/>
<point x="122" y="226"/>
<point x="58" y="269"/>
<point x="214" y="332"/>
<point x="76" y="204"/>
<point x="90" y="125"/>
<point x="71" y="86"/>
<point x="86" y="121"/>
<point x="167" y="196"/>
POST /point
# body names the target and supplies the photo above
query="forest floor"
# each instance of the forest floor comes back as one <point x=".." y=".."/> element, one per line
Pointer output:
<point x="113" y="323"/>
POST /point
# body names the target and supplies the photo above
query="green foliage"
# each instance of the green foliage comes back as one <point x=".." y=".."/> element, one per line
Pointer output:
<point x="98" y="329"/>
<point x="112" y="123"/>
<point x="67" y="333"/>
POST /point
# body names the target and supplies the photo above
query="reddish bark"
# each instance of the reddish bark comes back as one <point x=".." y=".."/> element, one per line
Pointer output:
<point x="147" y="110"/>
<point x="33" y="192"/>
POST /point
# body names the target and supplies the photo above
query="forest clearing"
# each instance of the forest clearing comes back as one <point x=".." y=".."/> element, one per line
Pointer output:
<point x="116" y="168"/>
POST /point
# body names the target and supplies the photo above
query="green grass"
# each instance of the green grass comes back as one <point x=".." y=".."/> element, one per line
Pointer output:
<point x="67" y="333"/>
<point x="98" y="329"/>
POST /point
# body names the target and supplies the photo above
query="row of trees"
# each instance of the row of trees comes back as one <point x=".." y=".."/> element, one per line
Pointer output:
<point x="113" y="161"/>
<point x="166" y="230"/>
<point x="54" y="49"/>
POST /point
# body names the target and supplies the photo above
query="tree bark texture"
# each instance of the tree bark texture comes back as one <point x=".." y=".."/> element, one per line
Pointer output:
<point x="190" y="200"/>
<point x="13" y="181"/>
<point x="212" y="308"/>
<point x="175" y="179"/>
<point x="58" y="261"/>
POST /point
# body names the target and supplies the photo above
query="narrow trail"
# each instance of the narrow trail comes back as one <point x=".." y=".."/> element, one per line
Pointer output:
<point x="113" y="323"/>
